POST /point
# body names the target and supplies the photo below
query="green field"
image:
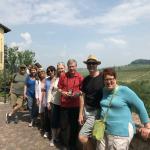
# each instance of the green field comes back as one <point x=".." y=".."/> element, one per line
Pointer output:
<point x="133" y="73"/>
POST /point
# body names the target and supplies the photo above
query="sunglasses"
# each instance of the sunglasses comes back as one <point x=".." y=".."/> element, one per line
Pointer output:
<point x="50" y="71"/>
<point x="91" y="63"/>
<point x="22" y="68"/>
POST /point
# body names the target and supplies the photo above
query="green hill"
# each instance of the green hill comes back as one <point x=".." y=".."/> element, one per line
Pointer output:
<point x="141" y="61"/>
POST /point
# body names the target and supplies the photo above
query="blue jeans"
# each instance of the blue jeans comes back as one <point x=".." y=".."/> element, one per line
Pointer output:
<point x="33" y="108"/>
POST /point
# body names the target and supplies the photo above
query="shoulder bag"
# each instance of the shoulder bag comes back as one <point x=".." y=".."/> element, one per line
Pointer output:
<point x="99" y="125"/>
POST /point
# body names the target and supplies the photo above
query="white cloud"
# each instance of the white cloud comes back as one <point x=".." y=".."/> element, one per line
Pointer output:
<point x="27" y="37"/>
<point x="94" y="46"/>
<point x="71" y="13"/>
<point x="13" y="44"/>
<point x="19" y="12"/>
<point x="67" y="13"/>
<point x="127" y="13"/>
<point x="116" y="41"/>
<point x="106" y="43"/>
<point x="27" y="40"/>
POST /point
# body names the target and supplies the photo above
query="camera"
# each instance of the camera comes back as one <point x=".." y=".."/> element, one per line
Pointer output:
<point x="70" y="93"/>
<point x="73" y="94"/>
<point x="77" y="94"/>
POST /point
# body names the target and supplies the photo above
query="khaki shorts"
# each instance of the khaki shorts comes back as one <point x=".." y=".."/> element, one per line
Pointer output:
<point x="16" y="99"/>
<point x="112" y="142"/>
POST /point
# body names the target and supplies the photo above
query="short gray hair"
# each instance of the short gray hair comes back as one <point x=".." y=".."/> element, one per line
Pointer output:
<point x="71" y="61"/>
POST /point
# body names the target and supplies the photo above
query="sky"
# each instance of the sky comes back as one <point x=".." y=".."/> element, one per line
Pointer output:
<point x="115" y="31"/>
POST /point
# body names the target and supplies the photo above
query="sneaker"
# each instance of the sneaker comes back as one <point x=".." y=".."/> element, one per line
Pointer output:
<point x="45" y="135"/>
<point x="7" y="118"/>
<point x="51" y="143"/>
<point x="16" y="119"/>
<point x="30" y="124"/>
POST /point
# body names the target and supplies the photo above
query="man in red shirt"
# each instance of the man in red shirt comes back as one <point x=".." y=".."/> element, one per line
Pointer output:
<point x="69" y="86"/>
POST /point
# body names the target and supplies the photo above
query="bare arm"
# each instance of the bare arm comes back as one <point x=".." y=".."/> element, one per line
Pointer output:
<point x="81" y="114"/>
<point x="25" y="91"/>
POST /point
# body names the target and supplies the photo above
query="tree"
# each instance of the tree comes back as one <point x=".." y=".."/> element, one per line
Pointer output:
<point x="16" y="58"/>
<point x="12" y="59"/>
<point x="26" y="57"/>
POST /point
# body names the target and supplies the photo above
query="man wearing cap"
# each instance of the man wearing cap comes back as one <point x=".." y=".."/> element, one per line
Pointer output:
<point x="16" y="92"/>
<point x="89" y="103"/>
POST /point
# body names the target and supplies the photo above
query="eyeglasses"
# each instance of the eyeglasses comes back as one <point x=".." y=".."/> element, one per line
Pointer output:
<point x="91" y="63"/>
<point x="109" y="79"/>
<point x="50" y="71"/>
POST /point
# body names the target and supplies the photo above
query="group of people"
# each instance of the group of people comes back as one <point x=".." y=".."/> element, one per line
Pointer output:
<point x="68" y="104"/>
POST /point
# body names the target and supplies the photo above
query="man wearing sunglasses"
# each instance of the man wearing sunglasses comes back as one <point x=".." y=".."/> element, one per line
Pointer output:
<point x="89" y="103"/>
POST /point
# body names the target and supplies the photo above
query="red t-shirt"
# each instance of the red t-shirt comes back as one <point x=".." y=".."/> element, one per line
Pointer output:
<point x="73" y="84"/>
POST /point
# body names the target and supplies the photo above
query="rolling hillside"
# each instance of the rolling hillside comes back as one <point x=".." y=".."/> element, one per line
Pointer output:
<point x="132" y="73"/>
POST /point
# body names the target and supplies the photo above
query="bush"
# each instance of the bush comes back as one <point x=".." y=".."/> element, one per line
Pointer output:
<point x="4" y="84"/>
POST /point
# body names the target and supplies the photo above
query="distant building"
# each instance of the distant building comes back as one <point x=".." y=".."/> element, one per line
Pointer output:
<point x="3" y="29"/>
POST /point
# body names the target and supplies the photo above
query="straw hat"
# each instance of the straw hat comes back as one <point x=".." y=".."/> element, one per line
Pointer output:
<point x="92" y="58"/>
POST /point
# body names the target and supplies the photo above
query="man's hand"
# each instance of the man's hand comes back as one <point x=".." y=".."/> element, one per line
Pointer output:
<point x="37" y="101"/>
<point x="49" y="106"/>
<point x="25" y="97"/>
<point x="81" y="119"/>
<point x="64" y="93"/>
<point x="145" y="132"/>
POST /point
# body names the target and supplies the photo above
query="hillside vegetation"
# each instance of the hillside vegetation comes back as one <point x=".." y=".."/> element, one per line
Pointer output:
<point x="137" y="77"/>
<point x="132" y="73"/>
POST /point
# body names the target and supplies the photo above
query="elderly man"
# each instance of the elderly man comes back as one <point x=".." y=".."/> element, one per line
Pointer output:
<point x="89" y="103"/>
<point x="16" y="92"/>
<point x="69" y="86"/>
